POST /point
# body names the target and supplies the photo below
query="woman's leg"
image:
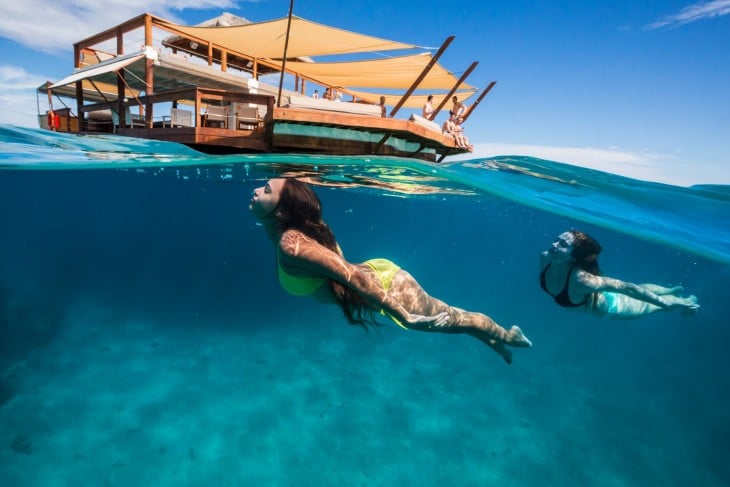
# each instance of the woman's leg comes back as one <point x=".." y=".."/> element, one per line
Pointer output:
<point x="415" y="299"/>
<point x="661" y="290"/>
<point x="620" y="306"/>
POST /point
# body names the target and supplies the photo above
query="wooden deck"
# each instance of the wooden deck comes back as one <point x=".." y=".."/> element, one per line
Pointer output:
<point x="298" y="130"/>
<point x="141" y="94"/>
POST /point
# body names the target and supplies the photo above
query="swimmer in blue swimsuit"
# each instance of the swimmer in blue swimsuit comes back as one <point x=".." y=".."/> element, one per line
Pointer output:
<point x="310" y="263"/>
<point x="570" y="274"/>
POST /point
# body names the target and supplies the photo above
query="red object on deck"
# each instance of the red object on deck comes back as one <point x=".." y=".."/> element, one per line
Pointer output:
<point x="54" y="121"/>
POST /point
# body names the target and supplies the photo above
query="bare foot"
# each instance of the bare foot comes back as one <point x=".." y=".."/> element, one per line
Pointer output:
<point x="517" y="339"/>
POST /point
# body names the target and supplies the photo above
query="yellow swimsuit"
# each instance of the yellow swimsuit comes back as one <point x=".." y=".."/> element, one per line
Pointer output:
<point x="305" y="286"/>
<point x="386" y="271"/>
<point x="299" y="286"/>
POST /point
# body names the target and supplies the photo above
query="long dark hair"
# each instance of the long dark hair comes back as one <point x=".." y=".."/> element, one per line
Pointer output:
<point x="585" y="252"/>
<point x="300" y="209"/>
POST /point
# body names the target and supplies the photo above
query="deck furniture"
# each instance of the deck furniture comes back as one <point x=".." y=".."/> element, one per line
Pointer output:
<point x="178" y="117"/>
<point x="216" y="115"/>
<point x="248" y="118"/>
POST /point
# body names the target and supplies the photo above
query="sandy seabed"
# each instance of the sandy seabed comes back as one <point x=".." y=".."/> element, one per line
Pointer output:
<point x="118" y="401"/>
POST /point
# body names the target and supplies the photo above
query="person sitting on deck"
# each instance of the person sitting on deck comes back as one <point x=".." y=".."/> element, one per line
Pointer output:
<point x="310" y="263"/>
<point x="459" y="108"/>
<point x="315" y="95"/>
<point x="450" y="127"/>
<point x="459" y="129"/>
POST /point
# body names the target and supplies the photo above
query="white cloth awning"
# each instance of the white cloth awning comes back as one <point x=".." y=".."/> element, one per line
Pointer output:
<point x="103" y="67"/>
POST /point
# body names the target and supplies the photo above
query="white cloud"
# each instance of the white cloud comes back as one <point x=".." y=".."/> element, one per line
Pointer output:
<point x="646" y="166"/>
<point x="54" y="26"/>
<point x="692" y="13"/>
<point x="17" y="96"/>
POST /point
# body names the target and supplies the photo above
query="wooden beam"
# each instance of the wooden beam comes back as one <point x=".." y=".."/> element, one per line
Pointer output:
<point x="423" y="74"/>
<point x="431" y="64"/>
<point x="453" y="90"/>
<point x="121" y="84"/>
<point x="478" y="100"/>
<point x="149" y="80"/>
<point x="286" y="47"/>
<point x="108" y="34"/>
<point x="443" y="156"/>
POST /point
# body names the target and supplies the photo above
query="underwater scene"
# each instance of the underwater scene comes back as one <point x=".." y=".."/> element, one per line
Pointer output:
<point x="145" y="338"/>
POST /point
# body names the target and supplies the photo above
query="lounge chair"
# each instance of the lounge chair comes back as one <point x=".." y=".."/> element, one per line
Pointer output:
<point x="179" y="118"/>
<point x="130" y="120"/>
<point x="216" y="115"/>
<point x="248" y="118"/>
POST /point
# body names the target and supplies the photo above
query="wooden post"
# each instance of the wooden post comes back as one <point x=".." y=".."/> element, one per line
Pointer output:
<point x="79" y="89"/>
<point x="286" y="46"/>
<point x="478" y="100"/>
<point x="149" y="76"/>
<point x="423" y="74"/>
<point x="453" y="90"/>
<point x="121" y="112"/>
<point x="413" y="87"/>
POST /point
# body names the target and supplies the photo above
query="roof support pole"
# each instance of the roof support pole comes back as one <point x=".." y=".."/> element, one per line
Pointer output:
<point x="478" y="100"/>
<point x="431" y="64"/>
<point x="79" y="89"/>
<point x="423" y="74"/>
<point x="149" y="76"/>
<point x="283" y="59"/>
<point x="121" y="112"/>
<point x="453" y="90"/>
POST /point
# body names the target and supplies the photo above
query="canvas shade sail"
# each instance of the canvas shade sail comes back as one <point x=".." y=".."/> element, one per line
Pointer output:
<point x="306" y="38"/>
<point x="413" y="101"/>
<point x="98" y="91"/>
<point x="394" y="73"/>
<point x="103" y="67"/>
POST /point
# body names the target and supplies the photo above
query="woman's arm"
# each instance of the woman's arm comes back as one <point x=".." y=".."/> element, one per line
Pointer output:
<point x="595" y="283"/>
<point x="301" y="252"/>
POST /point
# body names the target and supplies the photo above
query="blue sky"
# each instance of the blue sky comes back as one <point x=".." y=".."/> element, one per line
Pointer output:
<point x="638" y="88"/>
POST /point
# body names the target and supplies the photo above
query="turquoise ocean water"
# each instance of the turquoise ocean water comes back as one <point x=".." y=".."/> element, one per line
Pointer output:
<point x="144" y="339"/>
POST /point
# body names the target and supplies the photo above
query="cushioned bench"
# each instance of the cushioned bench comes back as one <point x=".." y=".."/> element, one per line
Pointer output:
<point x="333" y="106"/>
<point x="429" y="124"/>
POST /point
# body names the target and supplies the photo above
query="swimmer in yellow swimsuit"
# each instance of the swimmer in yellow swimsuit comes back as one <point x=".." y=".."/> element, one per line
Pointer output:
<point x="310" y="263"/>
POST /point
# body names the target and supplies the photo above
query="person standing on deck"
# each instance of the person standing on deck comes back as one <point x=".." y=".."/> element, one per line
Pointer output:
<point x="428" y="111"/>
